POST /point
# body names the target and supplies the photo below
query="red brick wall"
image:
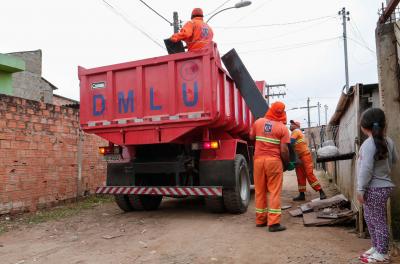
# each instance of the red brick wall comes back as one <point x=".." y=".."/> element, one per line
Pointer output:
<point x="40" y="156"/>
<point x="59" y="100"/>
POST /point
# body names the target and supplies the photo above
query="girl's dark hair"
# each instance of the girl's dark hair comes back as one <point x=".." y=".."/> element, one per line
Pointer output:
<point x="374" y="119"/>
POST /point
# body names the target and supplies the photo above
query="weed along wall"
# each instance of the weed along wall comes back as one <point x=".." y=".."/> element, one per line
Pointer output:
<point x="44" y="157"/>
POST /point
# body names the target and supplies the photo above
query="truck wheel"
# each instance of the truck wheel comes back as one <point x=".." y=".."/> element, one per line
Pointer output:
<point x="215" y="204"/>
<point x="135" y="202"/>
<point x="237" y="199"/>
<point x="150" y="202"/>
<point x="123" y="202"/>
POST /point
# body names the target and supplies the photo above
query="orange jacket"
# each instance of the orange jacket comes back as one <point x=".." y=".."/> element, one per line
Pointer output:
<point x="269" y="135"/>
<point x="196" y="33"/>
<point x="299" y="142"/>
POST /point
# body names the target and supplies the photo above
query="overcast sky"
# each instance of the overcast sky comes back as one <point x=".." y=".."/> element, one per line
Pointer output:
<point x="307" y="56"/>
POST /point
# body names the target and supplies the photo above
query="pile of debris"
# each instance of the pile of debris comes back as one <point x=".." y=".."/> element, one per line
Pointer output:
<point x="330" y="211"/>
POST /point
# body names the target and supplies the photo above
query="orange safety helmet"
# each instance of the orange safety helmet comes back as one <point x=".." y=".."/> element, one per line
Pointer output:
<point x="277" y="112"/>
<point x="197" y="12"/>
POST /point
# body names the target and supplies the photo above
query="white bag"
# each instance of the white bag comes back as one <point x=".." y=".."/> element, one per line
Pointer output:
<point x="328" y="143"/>
<point x="328" y="151"/>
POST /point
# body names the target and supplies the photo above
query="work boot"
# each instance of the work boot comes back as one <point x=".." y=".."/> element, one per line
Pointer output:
<point x="261" y="225"/>
<point x="301" y="197"/>
<point x="322" y="195"/>
<point x="276" y="228"/>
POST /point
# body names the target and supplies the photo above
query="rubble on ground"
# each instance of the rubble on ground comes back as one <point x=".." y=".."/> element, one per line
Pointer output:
<point x="330" y="211"/>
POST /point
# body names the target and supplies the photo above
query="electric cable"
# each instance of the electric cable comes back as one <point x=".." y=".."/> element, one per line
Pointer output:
<point x="275" y="24"/>
<point x="120" y="14"/>
<point x="216" y="9"/>
<point x="362" y="45"/>
<point x="152" y="9"/>
<point x="292" y="46"/>
<point x="279" y="35"/>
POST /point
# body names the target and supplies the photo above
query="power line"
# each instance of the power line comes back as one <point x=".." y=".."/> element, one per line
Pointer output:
<point x="292" y="46"/>
<point x="120" y="14"/>
<point x="216" y="9"/>
<point x="362" y="45"/>
<point x="251" y="12"/>
<point x="280" y="35"/>
<point x="152" y="9"/>
<point x="359" y="32"/>
<point x="275" y="24"/>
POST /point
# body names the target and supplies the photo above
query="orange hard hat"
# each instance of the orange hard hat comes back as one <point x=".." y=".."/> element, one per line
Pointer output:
<point x="277" y="112"/>
<point x="296" y="123"/>
<point x="197" y="12"/>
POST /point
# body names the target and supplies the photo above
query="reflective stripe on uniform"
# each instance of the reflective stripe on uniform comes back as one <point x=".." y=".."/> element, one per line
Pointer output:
<point x="269" y="140"/>
<point x="260" y="211"/>
<point x="315" y="184"/>
<point x="274" y="211"/>
<point x="301" y="140"/>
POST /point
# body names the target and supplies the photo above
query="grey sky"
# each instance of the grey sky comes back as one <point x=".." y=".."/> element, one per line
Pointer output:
<point x="308" y="57"/>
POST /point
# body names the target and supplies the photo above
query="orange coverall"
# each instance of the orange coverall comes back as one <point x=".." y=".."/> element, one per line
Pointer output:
<point x="268" y="169"/>
<point x="305" y="170"/>
<point x="196" y="33"/>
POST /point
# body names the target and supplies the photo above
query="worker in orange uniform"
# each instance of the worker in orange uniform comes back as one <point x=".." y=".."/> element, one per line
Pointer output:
<point x="272" y="139"/>
<point x="196" y="33"/>
<point x="304" y="165"/>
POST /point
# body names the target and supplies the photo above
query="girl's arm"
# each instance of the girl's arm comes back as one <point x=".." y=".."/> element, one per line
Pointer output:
<point x="366" y="165"/>
<point x="395" y="155"/>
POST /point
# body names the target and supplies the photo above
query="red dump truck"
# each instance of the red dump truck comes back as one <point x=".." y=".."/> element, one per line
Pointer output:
<point x="177" y="126"/>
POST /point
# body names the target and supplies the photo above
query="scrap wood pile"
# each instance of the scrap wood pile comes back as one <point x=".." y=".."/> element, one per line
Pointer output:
<point x="330" y="211"/>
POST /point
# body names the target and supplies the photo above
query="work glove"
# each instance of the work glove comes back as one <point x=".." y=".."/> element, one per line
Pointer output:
<point x="291" y="166"/>
<point x="174" y="38"/>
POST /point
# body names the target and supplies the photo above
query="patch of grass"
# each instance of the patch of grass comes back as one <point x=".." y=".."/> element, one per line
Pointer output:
<point x="10" y="222"/>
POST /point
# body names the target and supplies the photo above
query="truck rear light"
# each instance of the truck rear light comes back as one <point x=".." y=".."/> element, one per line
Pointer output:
<point x="206" y="145"/>
<point x="110" y="150"/>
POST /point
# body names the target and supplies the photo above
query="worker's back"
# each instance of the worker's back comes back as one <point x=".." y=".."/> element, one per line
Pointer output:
<point x="269" y="135"/>
<point x="202" y="34"/>
<point x="196" y="33"/>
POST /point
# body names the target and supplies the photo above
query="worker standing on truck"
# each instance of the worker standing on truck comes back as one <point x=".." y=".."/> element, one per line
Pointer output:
<point x="304" y="164"/>
<point x="196" y="33"/>
<point x="272" y="138"/>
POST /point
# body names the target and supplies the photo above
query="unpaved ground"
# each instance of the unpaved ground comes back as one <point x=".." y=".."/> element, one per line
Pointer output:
<point x="182" y="231"/>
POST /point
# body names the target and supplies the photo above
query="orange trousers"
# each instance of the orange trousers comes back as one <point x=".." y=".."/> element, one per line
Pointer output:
<point x="305" y="171"/>
<point x="268" y="179"/>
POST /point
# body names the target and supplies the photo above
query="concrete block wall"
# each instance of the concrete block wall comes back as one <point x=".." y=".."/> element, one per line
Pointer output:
<point x="29" y="84"/>
<point x="388" y="50"/>
<point x="44" y="157"/>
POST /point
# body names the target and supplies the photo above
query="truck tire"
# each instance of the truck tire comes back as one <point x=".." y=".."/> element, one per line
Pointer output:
<point x="150" y="202"/>
<point x="123" y="202"/>
<point x="215" y="204"/>
<point x="135" y="202"/>
<point x="237" y="199"/>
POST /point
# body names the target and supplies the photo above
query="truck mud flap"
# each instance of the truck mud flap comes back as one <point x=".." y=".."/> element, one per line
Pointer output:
<point x="217" y="173"/>
<point x="246" y="85"/>
<point x="168" y="191"/>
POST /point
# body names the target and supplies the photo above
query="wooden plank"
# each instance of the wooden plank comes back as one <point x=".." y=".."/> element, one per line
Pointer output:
<point x="334" y="214"/>
<point x="388" y="11"/>
<point x="346" y="156"/>
<point x="311" y="219"/>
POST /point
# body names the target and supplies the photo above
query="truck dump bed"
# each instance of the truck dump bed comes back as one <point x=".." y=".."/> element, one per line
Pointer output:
<point x="161" y="100"/>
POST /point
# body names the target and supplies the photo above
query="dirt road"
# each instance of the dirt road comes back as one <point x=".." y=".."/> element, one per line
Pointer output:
<point x="182" y="231"/>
